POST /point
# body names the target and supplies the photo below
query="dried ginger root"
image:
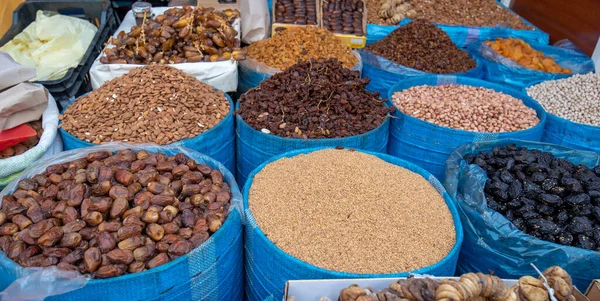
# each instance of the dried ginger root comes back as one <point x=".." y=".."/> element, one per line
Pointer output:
<point x="389" y="12"/>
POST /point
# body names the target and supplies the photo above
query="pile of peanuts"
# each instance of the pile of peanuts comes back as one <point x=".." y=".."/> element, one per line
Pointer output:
<point x="466" y="108"/>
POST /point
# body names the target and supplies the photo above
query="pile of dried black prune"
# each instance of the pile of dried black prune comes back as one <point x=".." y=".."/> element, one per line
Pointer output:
<point x="546" y="197"/>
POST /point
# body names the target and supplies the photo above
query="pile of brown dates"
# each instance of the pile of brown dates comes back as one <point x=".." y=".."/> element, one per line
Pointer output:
<point x="111" y="214"/>
<point x="180" y="35"/>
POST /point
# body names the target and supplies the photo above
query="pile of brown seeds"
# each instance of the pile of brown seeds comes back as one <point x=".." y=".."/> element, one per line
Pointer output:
<point x="468" y="13"/>
<point x="110" y="214"/>
<point x="423" y="46"/>
<point x="154" y="103"/>
<point x="348" y="211"/>
<point x="466" y="108"/>
<point x="314" y="99"/>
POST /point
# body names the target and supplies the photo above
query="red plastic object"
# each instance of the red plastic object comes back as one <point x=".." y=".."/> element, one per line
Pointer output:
<point x="15" y="136"/>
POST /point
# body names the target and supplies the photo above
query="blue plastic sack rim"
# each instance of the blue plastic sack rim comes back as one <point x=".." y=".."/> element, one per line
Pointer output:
<point x="451" y="79"/>
<point x="389" y="159"/>
<point x="176" y="143"/>
<point x="279" y="139"/>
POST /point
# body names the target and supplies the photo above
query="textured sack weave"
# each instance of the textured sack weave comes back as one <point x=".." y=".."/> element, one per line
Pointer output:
<point x="16" y="164"/>
<point x="213" y="271"/>
<point x="385" y="73"/>
<point x="429" y="145"/>
<point x="217" y="143"/>
<point x="574" y="135"/>
<point x="254" y="147"/>
<point x="492" y="242"/>
<point x="252" y="73"/>
<point x="463" y="36"/>
<point x="268" y="267"/>
<point x="503" y="70"/>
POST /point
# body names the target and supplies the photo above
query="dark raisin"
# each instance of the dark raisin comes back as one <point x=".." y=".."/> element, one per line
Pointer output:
<point x="577" y="199"/>
<point x="572" y="184"/>
<point x="564" y="238"/>
<point x="515" y="189"/>
<point x="545" y="209"/>
<point x="580" y="224"/>
<point x="538" y="177"/>
<point x="550" y="199"/>
<point x="548" y="184"/>
<point x="585" y="242"/>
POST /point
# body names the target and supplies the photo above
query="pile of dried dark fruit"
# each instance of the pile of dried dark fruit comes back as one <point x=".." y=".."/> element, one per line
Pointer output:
<point x="423" y="46"/>
<point x="313" y="99"/>
<point x="180" y="35"/>
<point x="547" y="197"/>
<point x="112" y="214"/>
<point x="470" y="287"/>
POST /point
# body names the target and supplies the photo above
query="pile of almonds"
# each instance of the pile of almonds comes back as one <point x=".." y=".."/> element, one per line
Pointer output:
<point x="155" y="103"/>
<point x="111" y="214"/>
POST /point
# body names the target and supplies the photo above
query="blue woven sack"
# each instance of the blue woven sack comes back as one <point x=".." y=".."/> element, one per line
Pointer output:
<point x="571" y="134"/>
<point x="254" y="147"/>
<point x="212" y="271"/>
<point x="252" y="73"/>
<point x="217" y="143"/>
<point x="429" y="145"/>
<point x="503" y="70"/>
<point x="268" y="267"/>
<point x="384" y="73"/>
<point x="492" y="242"/>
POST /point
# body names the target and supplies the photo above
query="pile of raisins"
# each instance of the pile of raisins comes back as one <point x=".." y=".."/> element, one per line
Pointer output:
<point x="547" y="197"/>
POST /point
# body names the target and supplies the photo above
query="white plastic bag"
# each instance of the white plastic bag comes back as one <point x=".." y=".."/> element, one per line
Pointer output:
<point x="12" y="165"/>
<point x="257" y="21"/>
<point x="53" y="44"/>
<point x="221" y="75"/>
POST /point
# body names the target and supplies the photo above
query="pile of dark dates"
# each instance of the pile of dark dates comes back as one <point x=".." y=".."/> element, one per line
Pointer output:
<point x="547" y="197"/>
<point x="344" y="16"/>
<point x="111" y="214"/>
<point x="314" y="99"/>
<point x="180" y="35"/>
<point x="299" y="12"/>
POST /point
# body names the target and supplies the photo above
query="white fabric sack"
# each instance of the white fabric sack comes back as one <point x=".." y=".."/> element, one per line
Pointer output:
<point x="18" y="163"/>
<point x="256" y="20"/>
<point x="222" y="75"/>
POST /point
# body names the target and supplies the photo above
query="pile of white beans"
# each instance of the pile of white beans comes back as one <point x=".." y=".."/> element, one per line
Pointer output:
<point x="576" y="98"/>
